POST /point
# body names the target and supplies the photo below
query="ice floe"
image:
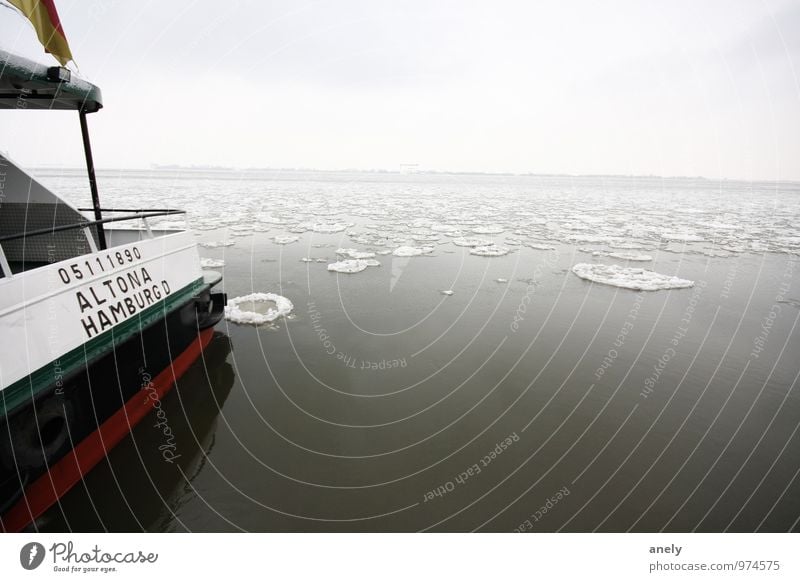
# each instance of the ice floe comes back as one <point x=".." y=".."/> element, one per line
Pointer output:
<point x="285" y="240"/>
<point x="409" y="251"/>
<point x="276" y="306"/>
<point x="383" y="213"/>
<point x="626" y="246"/>
<point x="427" y="237"/>
<point x="330" y="228"/>
<point x="629" y="277"/>
<point x="352" y="265"/>
<point x="217" y="244"/>
<point x="269" y="218"/>
<point x="446" y="229"/>
<point x="489" y="229"/>
<point x="211" y="263"/>
<point x="490" y="251"/>
<point x="355" y="254"/>
<point x="682" y="236"/>
<point x="471" y="242"/>
<point x="630" y="256"/>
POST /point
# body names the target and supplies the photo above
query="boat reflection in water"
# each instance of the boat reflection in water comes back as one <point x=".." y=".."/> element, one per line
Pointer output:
<point x="148" y="477"/>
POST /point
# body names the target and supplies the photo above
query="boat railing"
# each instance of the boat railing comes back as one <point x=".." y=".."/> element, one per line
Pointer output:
<point x="137" y="214"/>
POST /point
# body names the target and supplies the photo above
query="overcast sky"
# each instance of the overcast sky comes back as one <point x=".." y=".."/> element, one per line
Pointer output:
<point x="683" y="87"/>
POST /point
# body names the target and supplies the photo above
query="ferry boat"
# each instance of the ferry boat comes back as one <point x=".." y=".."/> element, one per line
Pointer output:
<point x="100" y="312"/>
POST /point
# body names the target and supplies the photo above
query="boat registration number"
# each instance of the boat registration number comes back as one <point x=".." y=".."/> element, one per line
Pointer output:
<point x="99" y="264"/>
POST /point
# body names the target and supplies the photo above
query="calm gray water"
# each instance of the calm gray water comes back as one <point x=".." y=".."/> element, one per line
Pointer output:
<point x="530" y="399"/>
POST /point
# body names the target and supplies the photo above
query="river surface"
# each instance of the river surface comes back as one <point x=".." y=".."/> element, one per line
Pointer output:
<point x="479" y="384"/>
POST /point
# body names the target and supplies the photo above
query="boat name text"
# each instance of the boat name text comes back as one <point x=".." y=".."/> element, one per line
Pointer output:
<point x="115" y="299"/>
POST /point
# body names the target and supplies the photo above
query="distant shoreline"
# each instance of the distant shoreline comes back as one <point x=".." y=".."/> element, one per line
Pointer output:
<point x="383" y="172"/>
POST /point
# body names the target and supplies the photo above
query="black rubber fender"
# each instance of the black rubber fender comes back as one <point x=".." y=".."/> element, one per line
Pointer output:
<point x="42" y="436"/>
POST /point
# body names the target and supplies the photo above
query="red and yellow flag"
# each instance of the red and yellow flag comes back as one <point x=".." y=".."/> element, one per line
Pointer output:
<point x="43" y="16"/>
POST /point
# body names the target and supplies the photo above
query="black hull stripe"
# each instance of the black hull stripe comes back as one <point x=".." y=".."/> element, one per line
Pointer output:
<point x="25" y="389"/>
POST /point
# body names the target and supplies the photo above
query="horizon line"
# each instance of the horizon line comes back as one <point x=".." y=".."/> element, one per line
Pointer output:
<point x="231" y="169"/>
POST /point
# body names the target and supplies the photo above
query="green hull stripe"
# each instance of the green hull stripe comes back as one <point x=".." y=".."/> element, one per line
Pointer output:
<point x="25" y="389"/>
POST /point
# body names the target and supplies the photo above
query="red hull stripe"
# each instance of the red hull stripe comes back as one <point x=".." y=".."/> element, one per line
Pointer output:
<point x="67" y="472"/>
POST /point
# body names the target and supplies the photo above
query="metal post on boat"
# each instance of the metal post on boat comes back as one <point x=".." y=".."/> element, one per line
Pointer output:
<point x="87" y="149"/>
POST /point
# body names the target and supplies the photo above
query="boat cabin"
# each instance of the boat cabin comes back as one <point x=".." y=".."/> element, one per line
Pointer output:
<point x="37" y="227"/>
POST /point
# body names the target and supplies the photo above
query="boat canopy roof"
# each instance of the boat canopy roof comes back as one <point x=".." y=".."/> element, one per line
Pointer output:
<point x="26" y="84"/>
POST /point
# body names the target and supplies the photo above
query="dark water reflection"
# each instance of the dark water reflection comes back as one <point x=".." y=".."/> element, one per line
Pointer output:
<point x="384" y="405"/>
<point x="135" y="488"/>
